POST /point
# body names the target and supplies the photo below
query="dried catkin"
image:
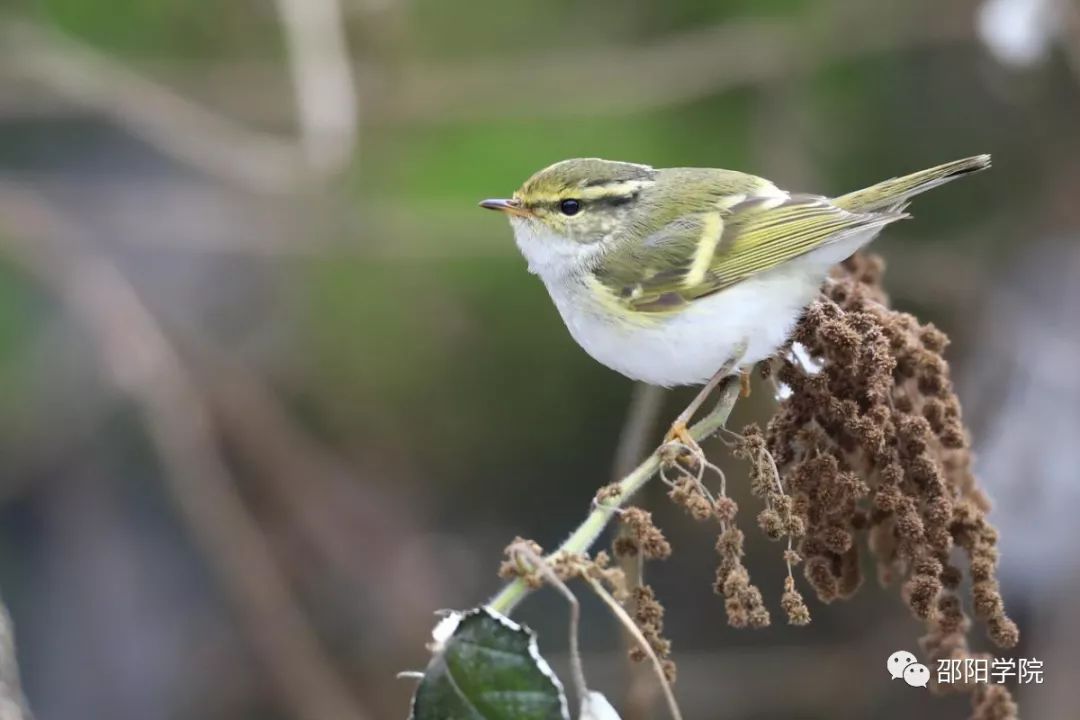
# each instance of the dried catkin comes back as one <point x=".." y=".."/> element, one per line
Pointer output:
<point x="869" y="440"/>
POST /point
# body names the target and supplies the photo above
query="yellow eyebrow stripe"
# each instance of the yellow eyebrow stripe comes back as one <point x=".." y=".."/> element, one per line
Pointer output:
<point x="620" y="189"/>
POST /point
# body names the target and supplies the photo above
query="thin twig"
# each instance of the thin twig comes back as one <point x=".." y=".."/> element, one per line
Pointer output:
<point x="586" y="534"/>
<point x="522" y="550"/>
<point x="141" y="362"/>
<point x="635" y="631"/>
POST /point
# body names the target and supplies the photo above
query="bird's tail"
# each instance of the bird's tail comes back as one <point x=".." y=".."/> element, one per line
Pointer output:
<point x="893" y="194"/>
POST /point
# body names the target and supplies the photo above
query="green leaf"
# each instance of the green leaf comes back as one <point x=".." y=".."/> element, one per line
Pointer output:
<point x="487" y="667"/>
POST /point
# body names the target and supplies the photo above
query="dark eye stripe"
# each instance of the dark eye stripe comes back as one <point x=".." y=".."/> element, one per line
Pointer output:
<point x="604" y="200"/>
<point x="608" y="200"/>
<point x="617" y="200"/>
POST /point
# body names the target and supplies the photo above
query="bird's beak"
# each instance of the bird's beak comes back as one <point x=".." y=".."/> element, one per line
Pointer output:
<point x="508" y="206"/>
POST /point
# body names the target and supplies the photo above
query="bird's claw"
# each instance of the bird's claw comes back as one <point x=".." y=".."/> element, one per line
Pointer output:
<point x="679" y="438"/>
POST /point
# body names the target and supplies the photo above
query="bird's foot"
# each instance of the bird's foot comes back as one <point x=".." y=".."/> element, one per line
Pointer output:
<point x="679" y="435"/>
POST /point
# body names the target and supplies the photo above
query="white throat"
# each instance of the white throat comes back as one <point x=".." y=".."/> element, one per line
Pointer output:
<point x="552" y="256"/>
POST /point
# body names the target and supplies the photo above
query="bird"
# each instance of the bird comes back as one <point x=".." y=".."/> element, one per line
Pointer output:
<point x="684" y="276"/>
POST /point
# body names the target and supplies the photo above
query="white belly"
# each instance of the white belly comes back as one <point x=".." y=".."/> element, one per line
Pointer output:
<point x="688" y="348"/>
<point x="745" y="323"/>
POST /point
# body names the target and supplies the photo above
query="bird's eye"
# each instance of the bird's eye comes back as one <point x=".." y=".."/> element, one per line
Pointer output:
<point x="570" y="207"/>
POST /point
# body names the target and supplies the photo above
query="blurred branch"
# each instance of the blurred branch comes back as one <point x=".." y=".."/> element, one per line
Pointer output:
<point x="176" y="126"/>
<point x="675" y="69"/>
<point x="646" y="402"/>
<point x="586" y="534"/>
<point x="606" y="80"/>
<point x="326" y="98"/>
<point x="330" y="505"/>
<point x="142" y="364"/>
<point x="12" y="703"/>
<point x="192" y="133"/>
<point x="1070" y="34"/>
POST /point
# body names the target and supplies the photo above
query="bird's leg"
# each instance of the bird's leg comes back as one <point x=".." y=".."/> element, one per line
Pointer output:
<point x="678" y="431"/>
<point x="744" y="381"/>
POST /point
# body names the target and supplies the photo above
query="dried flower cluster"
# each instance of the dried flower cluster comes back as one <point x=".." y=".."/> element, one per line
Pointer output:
<point x="869" y="440"/>
<point x="743" y="601"/>
<point x="777" y="520"/>
<point x="649" y="615"/>
<point x="514" y="564"/>
<point x="523" y="559"/>
<point x="642" y="539"/>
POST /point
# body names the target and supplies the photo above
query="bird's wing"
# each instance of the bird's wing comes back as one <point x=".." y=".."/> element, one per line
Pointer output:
<point x="702" y="253"/>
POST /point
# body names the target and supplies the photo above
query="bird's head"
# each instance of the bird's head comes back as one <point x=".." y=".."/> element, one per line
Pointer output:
<point x="568" y="210"/>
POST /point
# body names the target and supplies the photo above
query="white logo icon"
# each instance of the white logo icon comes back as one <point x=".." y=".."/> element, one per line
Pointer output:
<point x="900" y="660"/>
<point x="917" y="675"/>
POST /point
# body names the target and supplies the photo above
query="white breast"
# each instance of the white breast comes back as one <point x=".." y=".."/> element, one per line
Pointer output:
<point x="687" y="348"/>
<point x="755" y="316"/>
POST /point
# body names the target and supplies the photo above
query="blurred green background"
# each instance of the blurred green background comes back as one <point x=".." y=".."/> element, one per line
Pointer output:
<point x="273" y="389"/>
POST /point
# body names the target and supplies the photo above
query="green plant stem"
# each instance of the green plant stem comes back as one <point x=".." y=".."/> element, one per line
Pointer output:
<point x="587" y="533"/>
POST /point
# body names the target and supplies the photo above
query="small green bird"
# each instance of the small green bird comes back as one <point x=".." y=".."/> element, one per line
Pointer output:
<point x="668" y="275"/>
